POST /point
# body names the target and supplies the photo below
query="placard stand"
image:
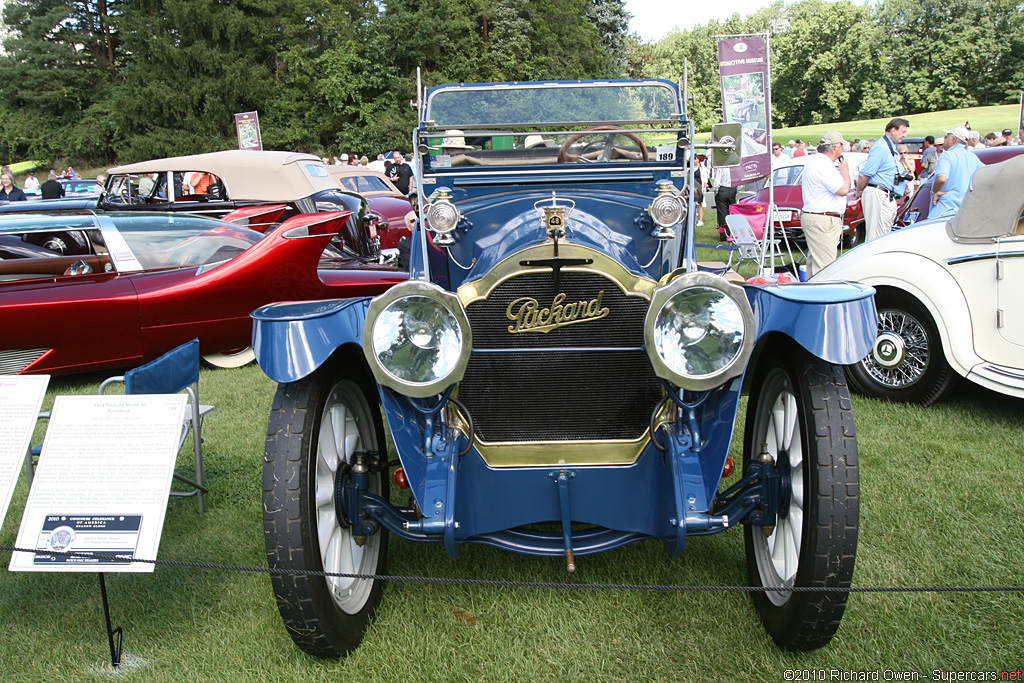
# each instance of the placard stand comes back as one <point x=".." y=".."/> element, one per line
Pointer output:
<point x="99" y="496"/>
<point x="115" y="652"/>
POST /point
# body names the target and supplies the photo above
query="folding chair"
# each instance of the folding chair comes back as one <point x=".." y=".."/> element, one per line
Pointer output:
<point x="174" y="372"/>
<point x="747" y="242"/>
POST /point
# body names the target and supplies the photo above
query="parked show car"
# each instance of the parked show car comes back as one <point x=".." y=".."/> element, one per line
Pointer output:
<point x="948" y="296"/>
<point x="789" y="200"/>
<point x="80" y="187"/>
<point x="919" y="206"/>
<point x="560" y="377"/>
<point x="217" y="183"/>
<point x="85" y="290"/>
<point x="383" y="197"/>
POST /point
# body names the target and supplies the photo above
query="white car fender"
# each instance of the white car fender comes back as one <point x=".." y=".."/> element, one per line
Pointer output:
<point x="928" y="282"/>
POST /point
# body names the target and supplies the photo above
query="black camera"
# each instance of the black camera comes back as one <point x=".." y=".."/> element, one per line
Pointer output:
<point x="900" y="177"/>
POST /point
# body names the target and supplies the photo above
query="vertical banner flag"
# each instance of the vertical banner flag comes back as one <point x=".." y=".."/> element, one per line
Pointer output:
<point x="743" y="66"/>
<point x="247" y="126"/>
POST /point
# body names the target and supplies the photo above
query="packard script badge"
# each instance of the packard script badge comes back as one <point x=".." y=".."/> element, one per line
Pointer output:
<point x="528" y="316"/>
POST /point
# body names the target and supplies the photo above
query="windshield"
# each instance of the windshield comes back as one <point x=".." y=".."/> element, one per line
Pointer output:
<point x="551" y="123"/>
<point x="174" y="241"/>
<point x="538" y="104"/>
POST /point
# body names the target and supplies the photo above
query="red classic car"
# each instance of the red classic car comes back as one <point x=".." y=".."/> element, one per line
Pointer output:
<point x="220" y="182"/>
<point x="383" y="197"/>
<point x="87" y="290"/>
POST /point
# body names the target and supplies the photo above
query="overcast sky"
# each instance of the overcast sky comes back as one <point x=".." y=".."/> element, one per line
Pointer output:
<point x="653" y="19"/>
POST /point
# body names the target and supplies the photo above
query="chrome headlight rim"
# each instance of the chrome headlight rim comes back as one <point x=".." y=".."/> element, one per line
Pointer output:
<point x="449" y="301"/>
<point x="442" y="216"/>
<point x="664" y="294"/>
<point x="667" y="204"/>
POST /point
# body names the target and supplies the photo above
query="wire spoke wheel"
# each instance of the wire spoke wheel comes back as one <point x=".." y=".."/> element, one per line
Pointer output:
<point x="317" y="427"/>
<point x="800" y="419"/>
<point x="906" y="362"/>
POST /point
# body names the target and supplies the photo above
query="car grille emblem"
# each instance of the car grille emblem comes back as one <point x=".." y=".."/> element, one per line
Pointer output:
<point x="527" y="315"/>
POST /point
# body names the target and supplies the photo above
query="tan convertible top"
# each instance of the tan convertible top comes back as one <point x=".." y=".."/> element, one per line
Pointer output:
<point x="249" y="174"/>
<point x="993" y="204"/>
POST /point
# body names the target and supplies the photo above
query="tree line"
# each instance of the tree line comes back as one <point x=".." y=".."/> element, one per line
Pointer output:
<point x="123" y="80"/>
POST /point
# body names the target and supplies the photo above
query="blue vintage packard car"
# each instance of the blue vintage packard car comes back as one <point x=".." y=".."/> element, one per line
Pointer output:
<point x="560" y="375"/>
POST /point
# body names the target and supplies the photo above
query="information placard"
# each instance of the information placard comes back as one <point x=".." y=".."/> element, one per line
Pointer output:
<point x="102" y="484"/>
<point x="21" y="397"/>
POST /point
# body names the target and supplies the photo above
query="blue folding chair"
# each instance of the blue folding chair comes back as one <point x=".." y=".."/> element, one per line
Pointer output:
<point x="174" y="372"/>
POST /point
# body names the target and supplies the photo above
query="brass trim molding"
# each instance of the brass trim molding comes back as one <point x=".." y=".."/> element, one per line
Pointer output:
<point x="630" y="283"/>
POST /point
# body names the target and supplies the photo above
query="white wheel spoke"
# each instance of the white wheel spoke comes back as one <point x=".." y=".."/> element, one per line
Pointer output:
<point x="328" y="444"/>
<point x="789" y="426"/>
<point x="797" y="494"/>
<point x="334" y="560"/>
<point x="324" y="495"/>
<point x="340" y="429"/>
<point x="325" y="525"/>
<point x="778" y="423"/>
<point x="777" y="545"/>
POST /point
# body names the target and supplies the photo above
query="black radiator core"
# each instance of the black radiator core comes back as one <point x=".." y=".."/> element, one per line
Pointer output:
<point x="583" y="381"/>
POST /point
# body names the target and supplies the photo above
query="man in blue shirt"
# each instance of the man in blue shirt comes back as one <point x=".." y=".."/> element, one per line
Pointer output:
<point x="879" y="175"/>
<point x="953" y="173"/>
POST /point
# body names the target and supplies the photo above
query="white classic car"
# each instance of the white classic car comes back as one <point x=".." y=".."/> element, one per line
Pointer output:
<point x="950" y="296"/>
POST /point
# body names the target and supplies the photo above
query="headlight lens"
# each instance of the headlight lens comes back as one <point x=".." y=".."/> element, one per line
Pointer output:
<point x="699" y="331"/>
<point x="417" y="338"/>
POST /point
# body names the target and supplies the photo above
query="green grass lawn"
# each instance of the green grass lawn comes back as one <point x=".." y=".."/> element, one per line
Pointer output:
<point x="941" y="505"/>
<point x="982" y="119"/>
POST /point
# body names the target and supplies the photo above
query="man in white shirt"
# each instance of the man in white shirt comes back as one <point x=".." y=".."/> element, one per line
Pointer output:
<point x="825" y="184"/>
<point x="778" y="156"/>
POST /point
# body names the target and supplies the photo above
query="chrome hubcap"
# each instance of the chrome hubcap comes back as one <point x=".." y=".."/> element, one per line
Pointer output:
<point x="888" y="350"/>
<point x="901" y="353"/>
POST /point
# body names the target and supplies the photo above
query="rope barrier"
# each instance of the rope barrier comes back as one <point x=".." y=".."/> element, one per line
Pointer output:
<point x="537" y="584"/>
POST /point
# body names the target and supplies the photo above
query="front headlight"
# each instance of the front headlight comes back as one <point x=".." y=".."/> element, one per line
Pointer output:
<point x="699" y="331"/>
<point x="417" y="339"/>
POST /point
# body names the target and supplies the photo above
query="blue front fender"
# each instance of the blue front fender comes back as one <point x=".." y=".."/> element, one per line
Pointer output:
<point x="835" y="321"/>
<point x="291" y="340"/>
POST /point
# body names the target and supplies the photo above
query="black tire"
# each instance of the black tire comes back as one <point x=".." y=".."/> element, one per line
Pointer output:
<point x="819" y="513"/>
<point x="325" y="616"/>
<point x="907" y="362"/>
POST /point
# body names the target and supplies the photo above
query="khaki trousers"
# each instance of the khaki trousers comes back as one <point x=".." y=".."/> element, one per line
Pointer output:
<point x="879" y="212"/>
<point x="822" y="234"/>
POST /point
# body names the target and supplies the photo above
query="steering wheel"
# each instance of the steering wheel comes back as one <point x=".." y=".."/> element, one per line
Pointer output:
<point x="563" y="151"/>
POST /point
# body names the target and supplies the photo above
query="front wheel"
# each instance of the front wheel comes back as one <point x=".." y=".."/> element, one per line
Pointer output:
<point x="906" y="363"/>
<point x="319" y="427"/>
<point x="800" y="417"/>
